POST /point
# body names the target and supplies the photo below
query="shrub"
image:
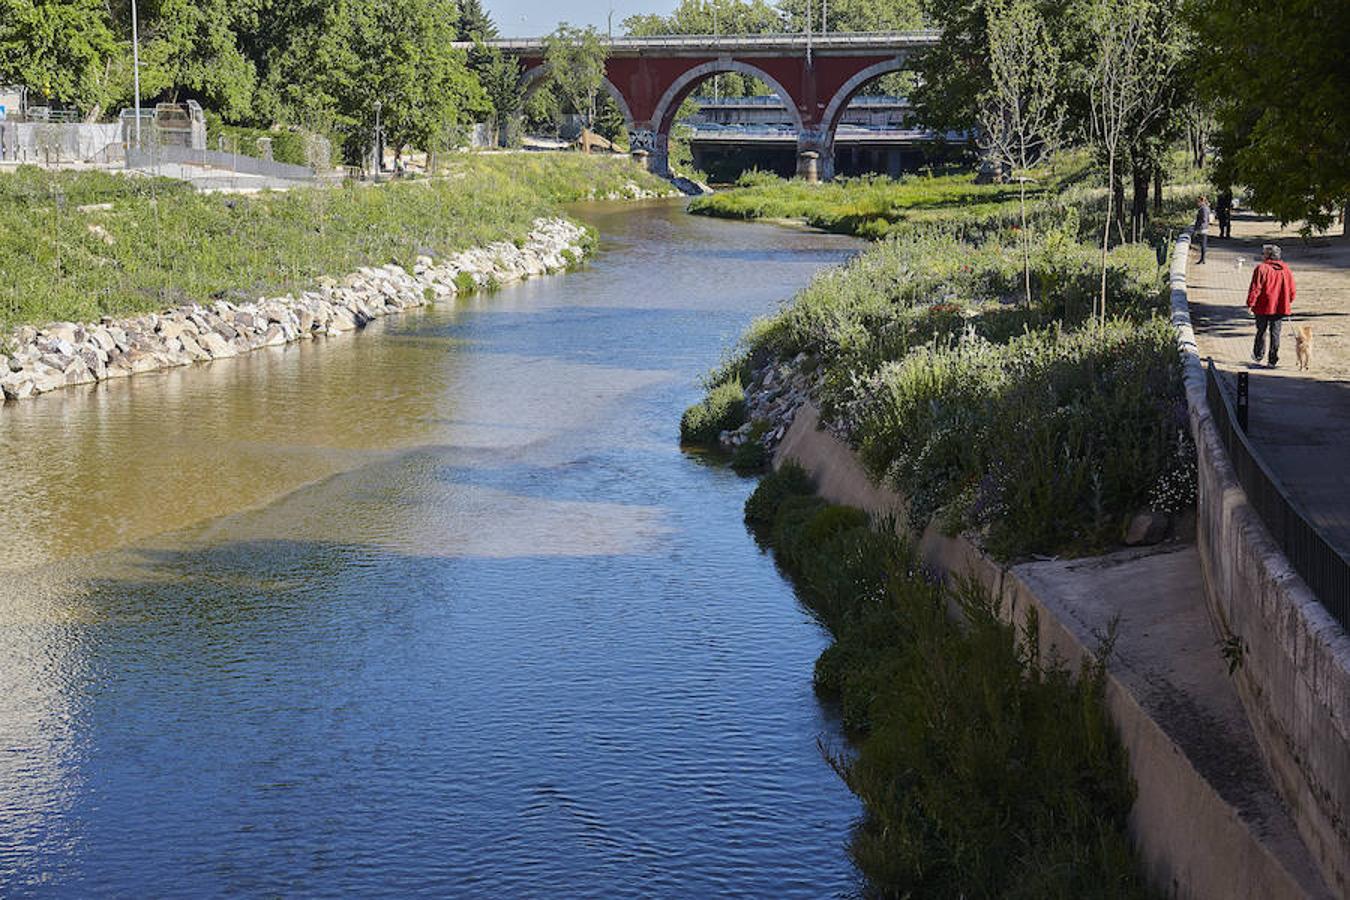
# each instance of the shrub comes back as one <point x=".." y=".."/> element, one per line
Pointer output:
<point x="790" y="480"/>
<point x="1044" y="442"/>
<point x="983" y="770"/>
<point x="723" y="409"/>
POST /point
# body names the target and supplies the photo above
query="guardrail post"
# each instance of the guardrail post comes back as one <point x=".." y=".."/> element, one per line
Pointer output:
<point x="1242" y="379"/>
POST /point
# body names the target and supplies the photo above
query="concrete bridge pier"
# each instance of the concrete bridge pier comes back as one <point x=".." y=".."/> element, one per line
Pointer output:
<point x="651" y="148"/>
<point x="815" y="156"/>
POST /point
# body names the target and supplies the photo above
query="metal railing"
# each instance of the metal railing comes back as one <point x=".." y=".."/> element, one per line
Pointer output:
<point x="834" y="40"/>
<point x="1324" y="568"/>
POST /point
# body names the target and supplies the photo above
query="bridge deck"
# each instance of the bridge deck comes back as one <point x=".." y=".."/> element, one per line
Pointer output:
<point x="834" y="44"/>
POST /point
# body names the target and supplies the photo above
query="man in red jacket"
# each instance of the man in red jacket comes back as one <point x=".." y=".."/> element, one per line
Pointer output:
<point x="1270" y="298"/>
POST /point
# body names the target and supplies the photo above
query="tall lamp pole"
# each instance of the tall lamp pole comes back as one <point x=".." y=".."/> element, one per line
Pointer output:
<point x="136" y="71"/>
<point x="379" y="143"/>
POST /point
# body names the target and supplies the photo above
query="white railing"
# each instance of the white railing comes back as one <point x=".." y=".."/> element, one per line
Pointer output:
<point x="889" y="40"/>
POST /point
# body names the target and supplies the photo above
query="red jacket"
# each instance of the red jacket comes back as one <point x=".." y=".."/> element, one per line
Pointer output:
<point x="1272" y="290"/>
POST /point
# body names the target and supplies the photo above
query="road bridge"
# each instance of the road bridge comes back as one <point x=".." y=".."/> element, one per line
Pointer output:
<point x="815" y="75"/>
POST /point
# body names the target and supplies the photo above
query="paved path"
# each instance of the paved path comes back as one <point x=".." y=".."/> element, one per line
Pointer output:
<point x="1299" y="421"/>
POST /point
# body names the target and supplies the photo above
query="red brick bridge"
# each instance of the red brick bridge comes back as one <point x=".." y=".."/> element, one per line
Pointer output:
<point x="816" y="77"/>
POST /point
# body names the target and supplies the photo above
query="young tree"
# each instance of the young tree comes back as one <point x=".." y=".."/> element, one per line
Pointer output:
<point x="576" y="61"/>
<point x="500" y="76"/>
<point x="1020" y="116"/>
<point x="1131" y="89"/>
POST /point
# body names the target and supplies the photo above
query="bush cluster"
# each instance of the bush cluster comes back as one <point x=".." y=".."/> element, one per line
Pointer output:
<point x="1031" y="423"/>
<point x="984" y="771"/>
<point x="1043" y="442"/>
<point x="723" y="409"/>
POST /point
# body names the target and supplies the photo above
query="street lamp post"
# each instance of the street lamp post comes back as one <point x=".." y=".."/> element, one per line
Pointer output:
<point x="136" y="71"/>
<point x="379" y="144"/>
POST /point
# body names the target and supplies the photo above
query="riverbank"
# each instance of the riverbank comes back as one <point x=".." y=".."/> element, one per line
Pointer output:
<point x="993" y="405"/>
<point x="65" y="354"/>
<point x="873" y="207"/>
<point x="343" y="257"/>
<point x="77" y="246"/>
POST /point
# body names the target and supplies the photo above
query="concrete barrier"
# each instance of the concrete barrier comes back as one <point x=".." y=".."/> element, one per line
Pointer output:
<point x="1207" y="821"/>
<point x="1294" y="679"/>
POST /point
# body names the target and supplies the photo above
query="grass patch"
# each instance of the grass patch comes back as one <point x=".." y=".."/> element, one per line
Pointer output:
<point x="161" y="245"/>
<point x="873" y="206"/>
<point x="723" y="409"/>
<point x="984" y="770"/>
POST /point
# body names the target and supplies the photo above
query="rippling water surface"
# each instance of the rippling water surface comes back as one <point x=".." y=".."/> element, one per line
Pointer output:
<point x="438" y="608"/>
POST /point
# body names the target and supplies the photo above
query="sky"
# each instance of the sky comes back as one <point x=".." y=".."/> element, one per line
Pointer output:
<point x="534" y="18"/>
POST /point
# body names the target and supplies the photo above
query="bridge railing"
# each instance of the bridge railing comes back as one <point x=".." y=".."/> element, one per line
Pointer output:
<point x="839" y="40"/>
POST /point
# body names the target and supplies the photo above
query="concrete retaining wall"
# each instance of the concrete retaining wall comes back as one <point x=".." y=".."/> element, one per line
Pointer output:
<point x="1295" y="676"/>
<point x="1196" y="839"/>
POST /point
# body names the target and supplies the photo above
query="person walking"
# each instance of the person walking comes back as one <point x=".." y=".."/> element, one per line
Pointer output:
<point x="1202" y="220"/>
<point x="1270" y="298"/>
<point x="1223" y="210"/>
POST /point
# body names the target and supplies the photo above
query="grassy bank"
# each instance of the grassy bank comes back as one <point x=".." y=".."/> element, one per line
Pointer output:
<point x="984" y="770"/>
<point x="872" y="206"/>
<point x="142" y="244"/>
<point x="1033" y="426"/>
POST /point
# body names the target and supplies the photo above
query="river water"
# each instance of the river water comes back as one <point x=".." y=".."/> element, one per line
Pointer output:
<point x="437" y="608"/>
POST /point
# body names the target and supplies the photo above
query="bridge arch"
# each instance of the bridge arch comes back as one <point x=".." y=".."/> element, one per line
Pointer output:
<point x="834" y="110"/>
<point x="532" y="80"/>
<point x="682" y="86"/>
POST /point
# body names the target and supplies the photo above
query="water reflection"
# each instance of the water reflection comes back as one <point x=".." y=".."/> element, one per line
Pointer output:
<point x="437" y="609"/>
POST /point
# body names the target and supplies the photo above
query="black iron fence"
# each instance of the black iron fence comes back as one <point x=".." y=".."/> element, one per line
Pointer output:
<point x="1325" y="569"/>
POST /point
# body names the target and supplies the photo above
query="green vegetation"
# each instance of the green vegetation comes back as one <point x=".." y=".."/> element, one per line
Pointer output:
<point x="1280" y="102"/>
<point x="722" y="410"/>
<point x="1035" y="426"/>
<point x="984" y="770"/>
<point x="294" y="147"/>
<point x="873" y="206"/>
<point x="160" y="244"/>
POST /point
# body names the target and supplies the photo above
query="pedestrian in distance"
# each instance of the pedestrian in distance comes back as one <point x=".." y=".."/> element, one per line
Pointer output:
<point x="1270" y="298"/>
<point x="1202" y="220"/>
<point x="1223" y="210"/>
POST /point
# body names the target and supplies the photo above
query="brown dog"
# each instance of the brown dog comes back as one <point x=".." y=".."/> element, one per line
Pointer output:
<point x="1303" y="336"/>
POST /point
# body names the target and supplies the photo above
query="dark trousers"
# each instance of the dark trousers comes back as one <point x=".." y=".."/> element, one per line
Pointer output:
<point x="1259" y="348"/>
<point x="1225" y="227"/>
<point x="1203" y="238"/>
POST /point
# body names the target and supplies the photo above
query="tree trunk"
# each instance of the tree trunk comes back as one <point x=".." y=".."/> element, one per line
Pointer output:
<point x="1106" y="230"/>
<point x="1118" y="199"/>
<point x="1139" y="213"/>
<point x="1026" y="244"/>
<point x="1157" y="190"/>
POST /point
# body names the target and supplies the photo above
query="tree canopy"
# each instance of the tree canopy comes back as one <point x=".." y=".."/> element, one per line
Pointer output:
<point x="1279" y="82"/>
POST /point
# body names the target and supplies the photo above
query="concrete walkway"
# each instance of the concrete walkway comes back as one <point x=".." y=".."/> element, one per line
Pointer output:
<point x="1299" y="421"/>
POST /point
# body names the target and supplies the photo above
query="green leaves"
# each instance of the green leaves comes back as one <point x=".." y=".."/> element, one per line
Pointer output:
<point x="59" y="48"/>
<point x="576" y="62"/>
<point x="1281" y="84"/>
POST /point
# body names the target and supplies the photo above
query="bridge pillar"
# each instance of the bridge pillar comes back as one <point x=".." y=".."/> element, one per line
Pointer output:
<point x="815" y="155"/>
<point x="651" y="148"/>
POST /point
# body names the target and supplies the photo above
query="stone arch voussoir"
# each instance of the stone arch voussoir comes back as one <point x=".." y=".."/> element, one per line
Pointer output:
<point x="835" y="108"/>
<point x="680" y="87"/>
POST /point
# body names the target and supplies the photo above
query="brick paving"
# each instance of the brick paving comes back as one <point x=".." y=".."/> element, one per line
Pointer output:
<point x="1298" y="421"/>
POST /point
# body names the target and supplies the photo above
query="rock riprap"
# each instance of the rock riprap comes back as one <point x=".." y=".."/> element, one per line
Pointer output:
<point x="37" y="360"/>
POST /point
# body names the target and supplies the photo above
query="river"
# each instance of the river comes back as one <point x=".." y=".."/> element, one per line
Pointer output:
<point x="437" y="608"/>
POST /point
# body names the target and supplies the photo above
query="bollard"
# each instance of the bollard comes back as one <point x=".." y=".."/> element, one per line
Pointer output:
<point x="1242" y="379"/>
